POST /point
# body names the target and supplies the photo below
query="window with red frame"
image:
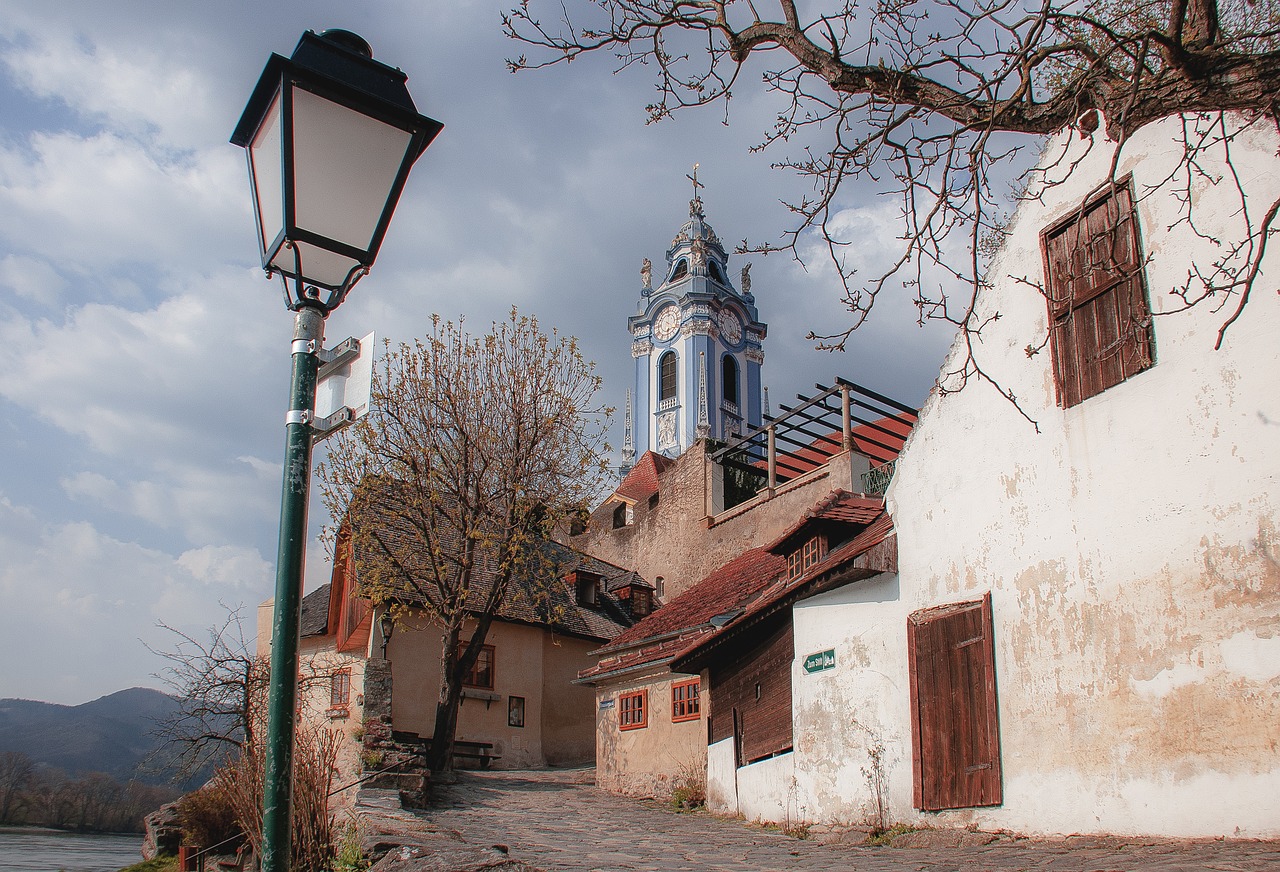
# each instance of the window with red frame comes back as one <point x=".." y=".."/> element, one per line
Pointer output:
<point x="633" y="710"/>
<point x="684" y="700"/>
<point x="340" y="689"/>
<point x="481" y="674"/>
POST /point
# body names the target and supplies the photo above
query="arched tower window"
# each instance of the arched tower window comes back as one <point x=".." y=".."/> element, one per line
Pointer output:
<point x="667" y="376"/>
<point x="681" y="270"/>
<point x="729" y="371"/>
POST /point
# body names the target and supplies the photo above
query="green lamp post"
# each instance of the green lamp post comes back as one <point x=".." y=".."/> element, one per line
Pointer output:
<point x="330" y="135"/>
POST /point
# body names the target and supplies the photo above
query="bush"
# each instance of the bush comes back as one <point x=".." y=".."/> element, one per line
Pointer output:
<point x="208" y="817"/>
<point x="689" y="788"/>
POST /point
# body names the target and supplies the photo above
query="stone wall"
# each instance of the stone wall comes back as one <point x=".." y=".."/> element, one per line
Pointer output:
<point x="679" y="542"/>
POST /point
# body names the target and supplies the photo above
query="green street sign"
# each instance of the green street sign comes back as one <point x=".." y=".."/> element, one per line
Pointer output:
<point x="820" y="661"/>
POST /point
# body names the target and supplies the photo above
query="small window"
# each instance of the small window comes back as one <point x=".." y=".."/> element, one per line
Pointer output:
<point x="684" y="700"/>
<point x="587" y="590"/>
<point x="481" y="674"/>
<point x="340" y="689"/>
<point x="641" y="601"/>
<point x="729" y="368"/>
<point x="620" y="513"/>
<point x="653" y="502"/>
<point x="1099" y="319"/>
<point x="667" y="376"/>
<point x="515" y="711"/>
<point x="681" y="270"/>
<point x="633" y="710"/>
<point x="799" y="561"/>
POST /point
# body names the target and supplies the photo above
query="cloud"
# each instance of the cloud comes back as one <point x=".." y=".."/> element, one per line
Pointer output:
<point x="31" y="279"/>
<point x="84" y="600"/>
<point x="96" y="203"/>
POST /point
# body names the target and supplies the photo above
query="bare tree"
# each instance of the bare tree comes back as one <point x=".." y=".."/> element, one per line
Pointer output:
<point x="16" y="771"/>
<point x="933" y="100"/>
<point x="216" y="680"/>
<point x="472" y="449"/>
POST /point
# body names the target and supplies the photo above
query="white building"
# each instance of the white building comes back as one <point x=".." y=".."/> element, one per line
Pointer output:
<point x="1084" y="631"/>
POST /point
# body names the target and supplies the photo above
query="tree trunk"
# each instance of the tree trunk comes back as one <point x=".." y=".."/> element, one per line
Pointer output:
<point x="456" y="666"/>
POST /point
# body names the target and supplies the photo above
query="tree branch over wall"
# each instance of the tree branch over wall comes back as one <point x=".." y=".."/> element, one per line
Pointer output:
<point x="933" y="102"/>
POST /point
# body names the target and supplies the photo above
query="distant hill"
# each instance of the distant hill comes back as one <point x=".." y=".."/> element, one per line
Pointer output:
<point x="113" y="734"/>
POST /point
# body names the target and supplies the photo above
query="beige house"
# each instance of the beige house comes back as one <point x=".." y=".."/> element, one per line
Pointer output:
<point x="651" y="727"/>
<point x="330" y="683"/>
<point x="520" y="707"/>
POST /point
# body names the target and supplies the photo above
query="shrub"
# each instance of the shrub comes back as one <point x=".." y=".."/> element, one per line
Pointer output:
<point x="208" y="817"/>
<point x="689" y="787"/>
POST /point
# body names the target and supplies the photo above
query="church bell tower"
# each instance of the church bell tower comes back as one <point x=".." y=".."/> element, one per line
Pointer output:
<point x="697" y="344"/>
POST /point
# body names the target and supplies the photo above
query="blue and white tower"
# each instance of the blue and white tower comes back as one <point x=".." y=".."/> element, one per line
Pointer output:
<point x="697" y="343"/>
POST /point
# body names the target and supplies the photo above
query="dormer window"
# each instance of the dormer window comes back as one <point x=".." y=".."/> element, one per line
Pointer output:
<point x="800" y="560"/>
<point x="641" y="601"/>
<point x="587" y="588"/>
<point x="622" y="515"/>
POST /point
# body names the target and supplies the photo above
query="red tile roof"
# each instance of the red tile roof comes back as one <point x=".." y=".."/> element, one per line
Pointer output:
<point x="673" y="627"/>
<point x="841" y="506"/>
<point x="642" y="481"/>
<point x="829" y="572"/>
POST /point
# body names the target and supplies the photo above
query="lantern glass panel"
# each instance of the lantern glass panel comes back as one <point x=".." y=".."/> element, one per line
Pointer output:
<point x="268" y="185"/>
<point x="345" y="170"/>
<point x="314" y="264"/>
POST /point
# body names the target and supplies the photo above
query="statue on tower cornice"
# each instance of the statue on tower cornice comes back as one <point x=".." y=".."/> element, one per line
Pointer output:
<point x="646" y="274"/>
<point x="698" y="255"/>
<point x="695" y="205"/>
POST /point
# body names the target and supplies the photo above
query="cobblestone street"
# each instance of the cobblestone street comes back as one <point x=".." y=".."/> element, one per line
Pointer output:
<point x="556" y="820"/>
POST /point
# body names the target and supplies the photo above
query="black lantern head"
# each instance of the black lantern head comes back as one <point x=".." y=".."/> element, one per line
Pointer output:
<point x="330" y="135"/>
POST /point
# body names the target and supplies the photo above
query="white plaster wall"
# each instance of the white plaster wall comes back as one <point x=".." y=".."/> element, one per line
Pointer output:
<point x="1131" y="545"/>
<point x="767" y="791"/>
<point x="722" y="785"/>
<point x="848" y="719"/>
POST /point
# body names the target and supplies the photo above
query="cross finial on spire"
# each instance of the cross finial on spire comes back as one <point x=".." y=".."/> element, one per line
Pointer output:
<point x="695" y="205"/>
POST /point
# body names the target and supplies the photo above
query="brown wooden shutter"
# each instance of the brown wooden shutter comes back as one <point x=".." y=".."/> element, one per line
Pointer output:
<point x="954" y="713"/>
<point x="1100" y="322"/>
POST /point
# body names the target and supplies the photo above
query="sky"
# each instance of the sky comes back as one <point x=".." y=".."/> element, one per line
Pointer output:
<point x="144" y="357"/>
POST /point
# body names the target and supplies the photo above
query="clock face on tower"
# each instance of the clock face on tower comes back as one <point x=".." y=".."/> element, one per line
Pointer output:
<point x="667" y="323"/>
<point x="730" y="327"/>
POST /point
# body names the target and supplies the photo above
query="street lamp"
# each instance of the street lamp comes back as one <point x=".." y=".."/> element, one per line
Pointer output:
<point x="330" y="135"/>
<point x="387" y="624"/>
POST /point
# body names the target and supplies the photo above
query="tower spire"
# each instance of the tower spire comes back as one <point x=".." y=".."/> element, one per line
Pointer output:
<point x="704" y="427"/>
<point x="628" y="439"/>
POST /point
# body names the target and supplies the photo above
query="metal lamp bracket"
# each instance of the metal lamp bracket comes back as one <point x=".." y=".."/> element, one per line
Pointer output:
<point x="332" y="358"/>
<point x="330" y="424"/>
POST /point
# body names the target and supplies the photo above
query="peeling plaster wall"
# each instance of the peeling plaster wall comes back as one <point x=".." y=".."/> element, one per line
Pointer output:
<point x="848" y="719"/>
<point x="653" y="760"/>
<point x="1131" y="547"/>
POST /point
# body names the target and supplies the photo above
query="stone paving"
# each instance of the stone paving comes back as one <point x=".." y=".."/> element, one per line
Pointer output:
<point x="558" y="820"/>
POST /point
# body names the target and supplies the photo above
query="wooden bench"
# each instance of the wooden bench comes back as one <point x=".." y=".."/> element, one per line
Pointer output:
<point x="481" y="752"/>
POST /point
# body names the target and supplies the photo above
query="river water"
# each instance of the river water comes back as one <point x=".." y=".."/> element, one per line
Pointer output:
<point x="33" y="850"/>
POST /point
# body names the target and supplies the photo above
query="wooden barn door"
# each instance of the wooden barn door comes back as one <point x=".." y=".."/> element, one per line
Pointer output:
<point x="955" y="724"/>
